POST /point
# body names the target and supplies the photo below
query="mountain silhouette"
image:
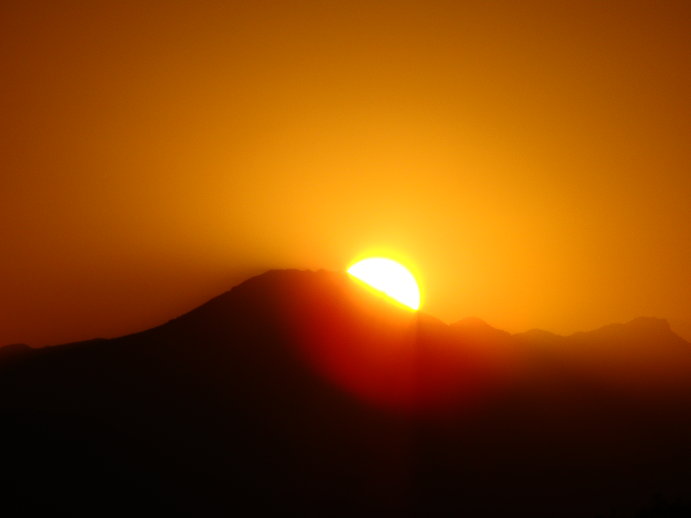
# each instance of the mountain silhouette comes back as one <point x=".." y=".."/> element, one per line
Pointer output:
<point x="301" y="393"/>
<point x="14" y="351"/>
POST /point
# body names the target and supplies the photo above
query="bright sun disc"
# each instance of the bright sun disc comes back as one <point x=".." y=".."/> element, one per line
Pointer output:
<point x="389" y="277"/>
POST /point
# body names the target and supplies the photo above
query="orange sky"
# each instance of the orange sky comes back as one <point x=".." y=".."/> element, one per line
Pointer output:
<point x="530" y="160"/>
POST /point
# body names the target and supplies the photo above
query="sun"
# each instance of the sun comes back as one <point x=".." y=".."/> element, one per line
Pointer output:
<point x="390" y="278"/>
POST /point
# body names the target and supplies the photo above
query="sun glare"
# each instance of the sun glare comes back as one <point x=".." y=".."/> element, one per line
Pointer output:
<point x="390" y="278"/>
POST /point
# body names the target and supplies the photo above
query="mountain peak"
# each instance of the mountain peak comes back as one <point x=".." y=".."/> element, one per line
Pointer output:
<point x="477" y="329"/>
<point x="650" y="324"/>
<point x="643" y="328"/>
<point x="471" y="322"/>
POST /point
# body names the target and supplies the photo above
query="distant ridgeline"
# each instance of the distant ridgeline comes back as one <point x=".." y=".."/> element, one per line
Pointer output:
<point x="299" y="393"/>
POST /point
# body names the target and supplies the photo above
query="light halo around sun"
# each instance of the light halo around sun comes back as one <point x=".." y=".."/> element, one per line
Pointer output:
<point x="389" y="277"/>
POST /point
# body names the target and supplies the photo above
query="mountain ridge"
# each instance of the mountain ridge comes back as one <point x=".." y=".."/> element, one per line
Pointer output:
<point x="300" y="392"/>
<point x="640" y="323"/>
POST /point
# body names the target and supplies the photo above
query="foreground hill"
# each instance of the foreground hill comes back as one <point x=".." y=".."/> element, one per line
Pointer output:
<point x="299" y="393"/>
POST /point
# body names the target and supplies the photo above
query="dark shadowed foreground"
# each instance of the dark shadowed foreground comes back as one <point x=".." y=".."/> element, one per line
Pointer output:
<point x="301" y="394"/>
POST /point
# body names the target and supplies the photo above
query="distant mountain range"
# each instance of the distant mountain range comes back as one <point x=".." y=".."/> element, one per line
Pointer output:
<point x="298" y="393"/>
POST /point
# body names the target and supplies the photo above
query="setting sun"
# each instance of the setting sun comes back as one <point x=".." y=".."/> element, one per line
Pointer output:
<point x="390" y="278"/>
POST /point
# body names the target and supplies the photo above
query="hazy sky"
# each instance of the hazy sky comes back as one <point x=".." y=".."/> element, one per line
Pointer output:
<point x="530" y="160"/>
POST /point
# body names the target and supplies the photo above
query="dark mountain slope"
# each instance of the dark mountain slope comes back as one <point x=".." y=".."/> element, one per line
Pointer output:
<point x="212" y="411"/>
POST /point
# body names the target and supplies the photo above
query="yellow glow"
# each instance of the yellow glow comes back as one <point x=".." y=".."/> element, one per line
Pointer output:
<point x="388" y="277"/>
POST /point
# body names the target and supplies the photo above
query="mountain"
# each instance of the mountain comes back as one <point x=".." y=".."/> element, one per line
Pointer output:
<point x="643" y="357"/>
<point x="299" y="393"/>
<point x="13" y="352"/>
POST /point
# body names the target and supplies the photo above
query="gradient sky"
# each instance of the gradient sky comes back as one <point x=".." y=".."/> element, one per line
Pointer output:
<point x="529" y="160"/>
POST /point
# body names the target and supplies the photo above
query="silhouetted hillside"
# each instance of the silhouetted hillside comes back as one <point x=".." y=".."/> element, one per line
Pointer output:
<point x="14" y="352"/>
<point x="299" y="393"/>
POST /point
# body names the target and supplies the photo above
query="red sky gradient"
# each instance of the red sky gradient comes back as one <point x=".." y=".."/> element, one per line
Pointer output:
<point x="529" y="160"/>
